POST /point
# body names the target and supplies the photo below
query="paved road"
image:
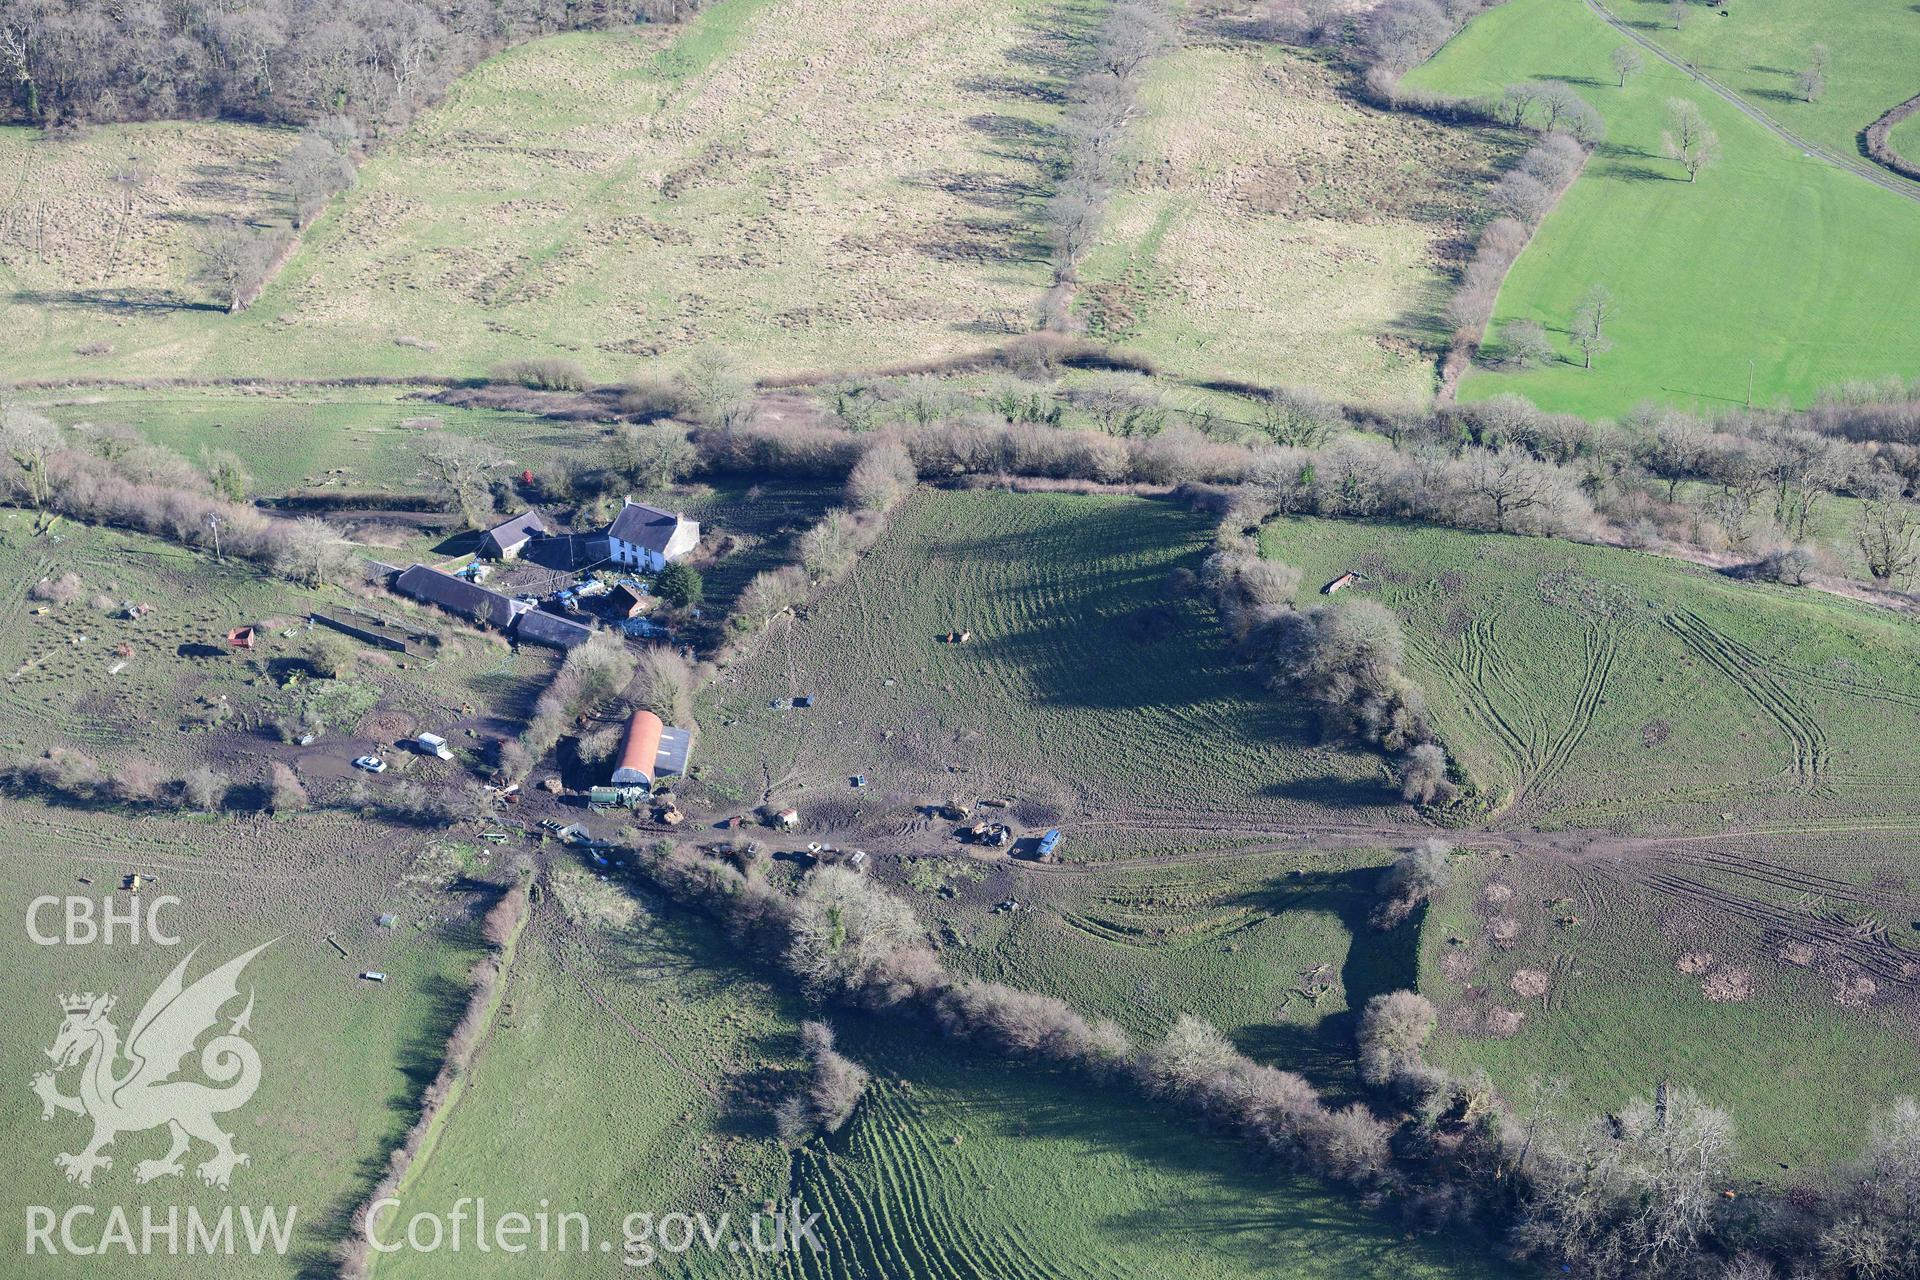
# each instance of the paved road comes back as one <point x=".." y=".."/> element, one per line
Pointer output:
<point x="1864" y="168"/>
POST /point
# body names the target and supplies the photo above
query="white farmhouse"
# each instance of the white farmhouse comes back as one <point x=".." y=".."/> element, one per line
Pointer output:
<point x="647" y="538"/>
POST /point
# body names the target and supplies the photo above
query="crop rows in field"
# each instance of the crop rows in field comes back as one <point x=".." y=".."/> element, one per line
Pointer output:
<point x="1090" y="684"/>
<point x="959" y="1167"/>
<point x="1590" y="687"/>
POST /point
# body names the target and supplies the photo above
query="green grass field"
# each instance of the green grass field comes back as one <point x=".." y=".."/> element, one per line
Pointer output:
<point x="1588" y="686"/>
<point x="621" y="1077"/>
<point x="1272" y="947"/>
<point x="1757" y="50"/>
<point x="654" y="1060"/>
<point x="1772" y="257"/>
<point x="960" y="1165"/>
<point x="343" y="1060"/>
<point x="1275" y="233"/>
<point x="92" y="257"/>
<point x="802" y="184"/>
<point x="1595" y="688"/>
<point x="321" y="438"/>
<point x="1786" y="1041"/>
<point x="1089" y="686"/>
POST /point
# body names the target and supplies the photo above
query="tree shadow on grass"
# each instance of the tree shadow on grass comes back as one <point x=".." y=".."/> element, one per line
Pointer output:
<point x="110" y="300"/>
<point x="1586" y="82"/>
<point x="1376" y="962"/>
<point x="969" y="240"/>
<point x="1635" y="173"/>
<point x="982" y="190"/>
<point x="1014" y="88"/>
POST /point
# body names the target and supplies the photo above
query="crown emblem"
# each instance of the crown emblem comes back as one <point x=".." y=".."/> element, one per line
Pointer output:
<point x="82" y="1003"/>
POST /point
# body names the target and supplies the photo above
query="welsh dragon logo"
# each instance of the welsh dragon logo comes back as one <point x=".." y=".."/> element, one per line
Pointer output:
<point x="130" y="1088"/>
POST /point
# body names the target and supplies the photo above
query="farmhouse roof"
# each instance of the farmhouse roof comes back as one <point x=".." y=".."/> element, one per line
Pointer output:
<point x="545" y="628"/>
<point x="643" y="526"/>
<point x="509" y="534"/>
<point x="456" y="595"/>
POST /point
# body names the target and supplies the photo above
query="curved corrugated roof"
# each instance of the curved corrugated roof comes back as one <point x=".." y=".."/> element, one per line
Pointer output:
<point x="636" y="764"/>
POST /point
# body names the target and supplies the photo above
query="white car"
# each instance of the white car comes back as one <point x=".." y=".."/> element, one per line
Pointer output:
<point x="372" y="764"/>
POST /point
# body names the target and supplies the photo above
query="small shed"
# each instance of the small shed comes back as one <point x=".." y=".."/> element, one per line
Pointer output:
<point x="786" y="819"/>
<point x="240" y="638"/>
<point x="627" y="600"/>
<point x="1340" y="583"/>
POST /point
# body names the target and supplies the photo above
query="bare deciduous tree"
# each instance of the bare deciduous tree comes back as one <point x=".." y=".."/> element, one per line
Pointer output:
<point x="1688" y="138"/>
<point x="1121" y="404"/>
<point x="884" y="475"/>
<point x="1133" y="34"/>
<point x="1393" y="1030"/>
<point x="284" y="792"/>
<point x="310" y="552"/>
<point x="838" y="1081"/>
<point x="1509" y="483"/>
<point x="1074" y="217"/>
<point x="234" y="260"/>
<point x="1888" y="535"/>
<point x="845" y="932"/>
<point x="320" y="164"/>
<point x="1402" y="32"/>
<point x="1589" y="326"/>
<point x="462" y="468"/>
<point x="652" y="456"/>
<point x="1812" y="81"/>
<point x="1626" y="61"/>
<point x="720" y="393"/>
<point x="1524" y="344"/>
<point x="30" y="440"/>
<point x="1414" y="877"/>
<point x="1523" y="196"/>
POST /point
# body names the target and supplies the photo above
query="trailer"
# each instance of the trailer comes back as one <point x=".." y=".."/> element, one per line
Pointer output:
<point x="616" y="797"/>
